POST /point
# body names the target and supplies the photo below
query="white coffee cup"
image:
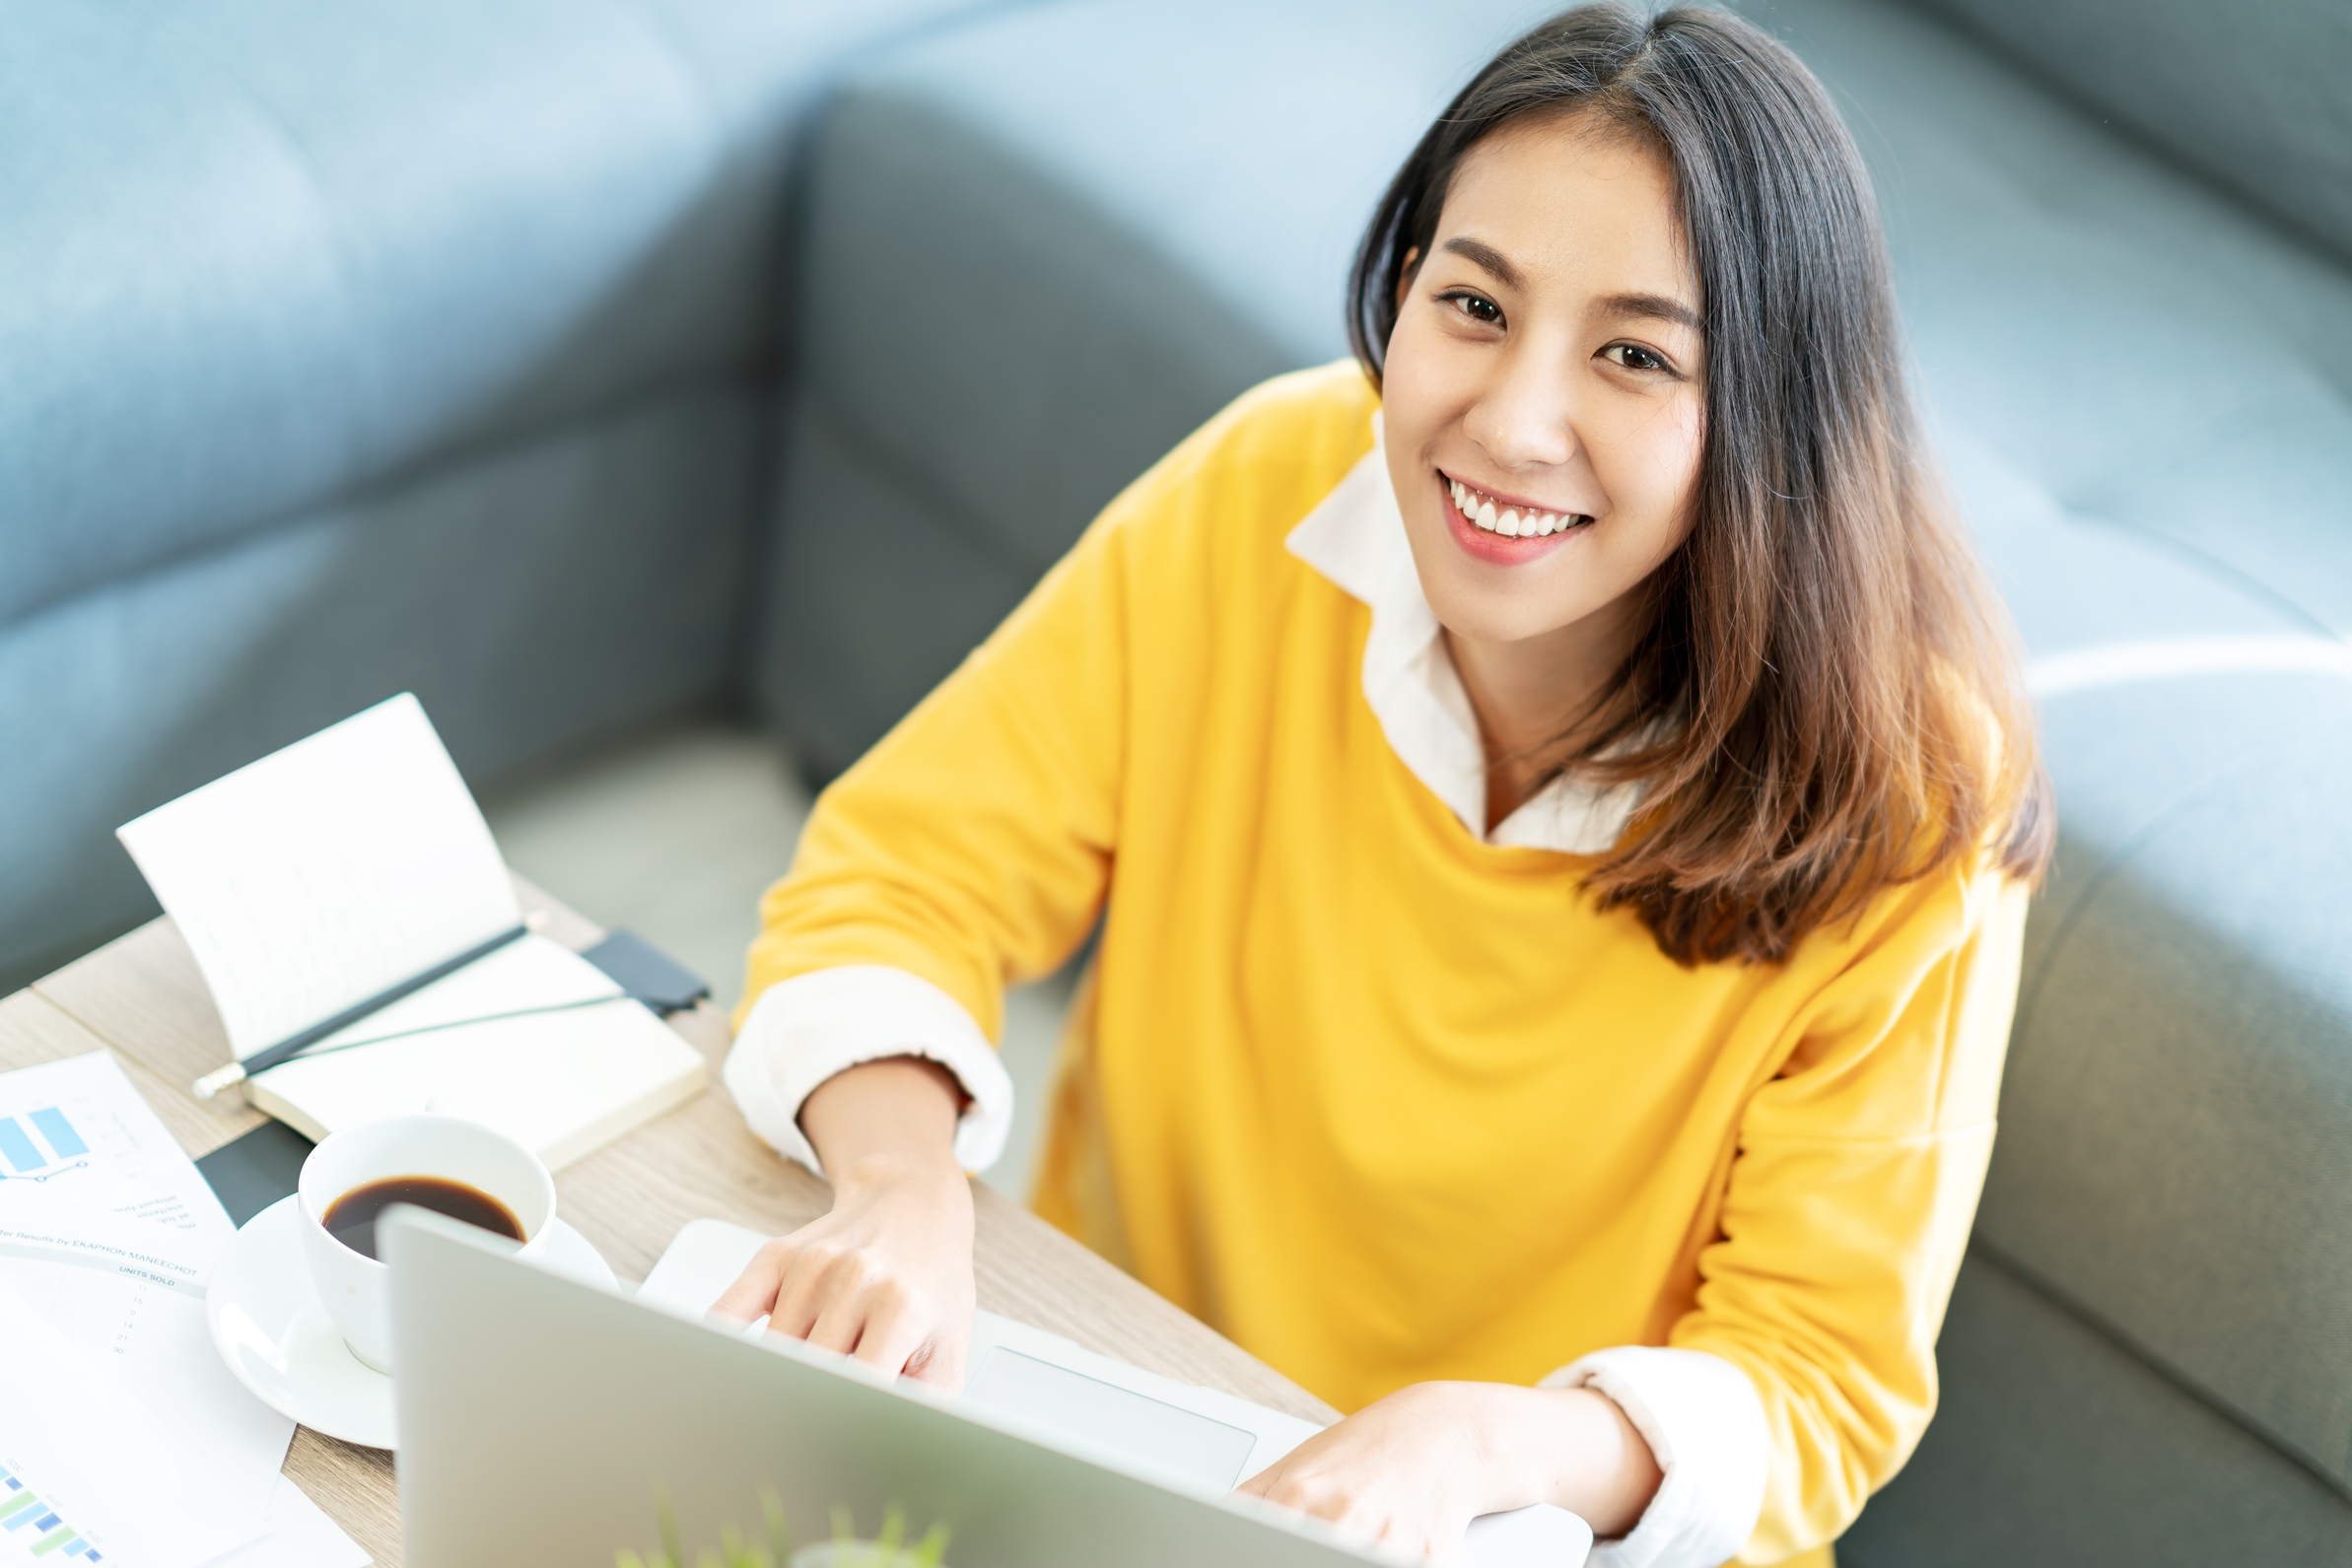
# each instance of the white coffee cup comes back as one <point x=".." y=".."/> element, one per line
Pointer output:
<point x="352" y="1286"/>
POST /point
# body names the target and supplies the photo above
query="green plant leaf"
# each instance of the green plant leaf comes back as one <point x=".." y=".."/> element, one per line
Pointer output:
<point x="932" y="1547"/>
<point x="673" y="1550"/>
<point x="780" y="1540"/>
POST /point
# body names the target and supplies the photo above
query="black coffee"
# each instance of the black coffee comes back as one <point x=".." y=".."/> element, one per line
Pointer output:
<point x="351" y="1218"/>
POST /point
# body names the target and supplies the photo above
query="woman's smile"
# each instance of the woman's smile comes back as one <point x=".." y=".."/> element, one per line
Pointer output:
<point x="1501" y="531"/>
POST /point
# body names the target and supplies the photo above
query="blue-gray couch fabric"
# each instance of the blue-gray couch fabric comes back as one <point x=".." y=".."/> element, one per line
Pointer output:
<point x="354" y="348"/>
<point x="2251" y="92"/>
<point x="1032" y="265"/>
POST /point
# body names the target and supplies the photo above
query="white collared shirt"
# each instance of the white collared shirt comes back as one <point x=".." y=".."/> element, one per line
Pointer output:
<point x="1356" y="537"/>
<point x="1699" y="1414"/>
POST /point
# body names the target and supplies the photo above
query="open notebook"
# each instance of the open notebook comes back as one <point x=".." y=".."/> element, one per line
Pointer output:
<point x="347" y="865"/>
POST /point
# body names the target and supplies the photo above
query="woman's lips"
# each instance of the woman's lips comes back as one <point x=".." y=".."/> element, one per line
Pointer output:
<point x="1494" y="548"/>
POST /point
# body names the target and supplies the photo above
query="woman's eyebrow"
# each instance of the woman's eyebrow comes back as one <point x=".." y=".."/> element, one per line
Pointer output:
<point x="1654" y="307"/>
<point x="1482" y="254"/>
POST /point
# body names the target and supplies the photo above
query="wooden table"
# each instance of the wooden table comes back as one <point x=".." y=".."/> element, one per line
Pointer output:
<point x="142" y="996"/>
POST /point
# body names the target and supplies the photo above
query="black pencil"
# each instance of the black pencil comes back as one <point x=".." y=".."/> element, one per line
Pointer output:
<point x="268" y="1057"/>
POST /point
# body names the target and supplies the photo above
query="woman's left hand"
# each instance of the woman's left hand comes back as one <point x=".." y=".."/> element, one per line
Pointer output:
<point x="1411" y="1472"/>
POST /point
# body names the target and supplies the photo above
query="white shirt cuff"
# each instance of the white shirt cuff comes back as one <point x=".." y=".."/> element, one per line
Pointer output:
<point x="812" y="1026"/>
<point x="1706" y="1426"/>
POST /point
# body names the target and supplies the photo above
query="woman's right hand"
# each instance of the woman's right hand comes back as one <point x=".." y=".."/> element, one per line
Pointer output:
<point x="887" y="1275"/>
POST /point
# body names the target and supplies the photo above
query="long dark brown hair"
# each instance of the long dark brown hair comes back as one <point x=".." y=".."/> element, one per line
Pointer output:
<point x="1827" y="700"/>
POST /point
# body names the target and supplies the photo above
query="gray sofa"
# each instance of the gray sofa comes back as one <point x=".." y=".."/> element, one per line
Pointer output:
<point x="1035" y="263"/>
<point x="350" y="349"/>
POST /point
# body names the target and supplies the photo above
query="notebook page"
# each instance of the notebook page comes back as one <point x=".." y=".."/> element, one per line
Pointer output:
<point x="318" y="876"/>
<point x="531" y="1039"/>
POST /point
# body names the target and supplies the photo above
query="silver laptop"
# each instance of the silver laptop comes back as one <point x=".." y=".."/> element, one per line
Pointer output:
<point x="546" y="1420"/>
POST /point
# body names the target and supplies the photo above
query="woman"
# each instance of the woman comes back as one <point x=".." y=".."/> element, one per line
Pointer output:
<point x="1559" y="808"/>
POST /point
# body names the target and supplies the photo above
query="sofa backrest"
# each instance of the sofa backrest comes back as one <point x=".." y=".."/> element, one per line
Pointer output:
<point x="2257" y="94"/>
<point x="346" y="349"/>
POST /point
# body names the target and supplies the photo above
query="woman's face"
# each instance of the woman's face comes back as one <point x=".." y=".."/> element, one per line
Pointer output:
<point x="1543" y="397"/>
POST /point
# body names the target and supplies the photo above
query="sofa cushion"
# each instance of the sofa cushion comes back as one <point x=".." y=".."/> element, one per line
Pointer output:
<point x="1124" y="248"/>
<point x="2137" y="344"/>
<point x="2175" y="1152"/>
<point x="258" y="251"/>
<point x="538" y="595"/>
<point x="2251" y="92"/>
<point x="2054" y="1447"/>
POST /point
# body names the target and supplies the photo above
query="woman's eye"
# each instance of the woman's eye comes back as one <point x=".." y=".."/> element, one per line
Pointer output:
<point x="1632" y="357"/>
<point x="1478" y="307"/>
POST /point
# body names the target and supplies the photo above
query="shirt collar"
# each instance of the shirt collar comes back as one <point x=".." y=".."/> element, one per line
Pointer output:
<point x="1356" y="538"/>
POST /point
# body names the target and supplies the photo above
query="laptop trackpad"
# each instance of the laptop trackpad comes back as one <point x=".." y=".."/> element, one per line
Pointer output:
<point x="1120" y="1420"/>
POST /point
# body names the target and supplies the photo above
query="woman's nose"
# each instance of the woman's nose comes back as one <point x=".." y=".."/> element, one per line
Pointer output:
<point x="1526" y="419"/>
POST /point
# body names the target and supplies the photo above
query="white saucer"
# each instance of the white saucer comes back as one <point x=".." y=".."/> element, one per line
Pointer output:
<point x="268" y="1325"/>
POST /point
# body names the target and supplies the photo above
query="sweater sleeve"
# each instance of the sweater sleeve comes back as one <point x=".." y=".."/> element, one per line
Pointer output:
<point x="972" y="848"/>
<point x="803" y="1030"/>
<point x="1850" y="1196"/>
<point x="969" y="849"/>
<point x="1704" y="1424"/>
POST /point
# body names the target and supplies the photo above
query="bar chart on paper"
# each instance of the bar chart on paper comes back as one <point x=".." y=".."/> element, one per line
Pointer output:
<point x="75" y="1132"/>
<point x="60" y="1147"/>
<point x="31" y="1530"/>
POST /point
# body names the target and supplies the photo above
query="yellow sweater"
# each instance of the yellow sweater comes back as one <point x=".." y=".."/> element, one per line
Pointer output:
<point x="1379" y="1100"/>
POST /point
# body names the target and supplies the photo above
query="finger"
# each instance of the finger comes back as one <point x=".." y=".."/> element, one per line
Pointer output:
<point x="895" y="1329"/>
<point x="1344" y="1512"/>
<point x="944" y="1357"/>
<point x="1422" y="1544"/>
<point x="1357" y="1524"/>
<point x="1304" y="1493"/>
<point x="1415" y="1535"/>
<point x="936" y="1362"/>
<point x="754" y="1290"/>
<point x="934" y="1366"/>
<point x="814" y="1278"/>
<point x="839" y="1324"/>
<point x="1263" y="1484"/>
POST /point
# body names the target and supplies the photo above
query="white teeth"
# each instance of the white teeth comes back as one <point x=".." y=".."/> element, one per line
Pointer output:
<point x="1508" y="521"/>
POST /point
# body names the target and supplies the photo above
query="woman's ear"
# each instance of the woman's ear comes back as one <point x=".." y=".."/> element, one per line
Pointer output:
<point x="1413" y="262"/>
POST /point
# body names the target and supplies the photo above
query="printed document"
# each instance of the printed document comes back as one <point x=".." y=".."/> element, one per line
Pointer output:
<point x="108" y="1237"/>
